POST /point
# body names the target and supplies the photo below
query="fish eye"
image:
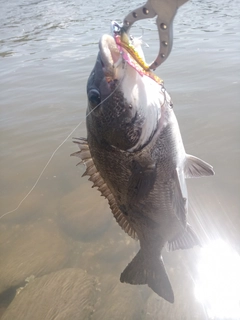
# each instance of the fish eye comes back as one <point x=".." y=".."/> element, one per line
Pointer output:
<point x="94" y="97"/>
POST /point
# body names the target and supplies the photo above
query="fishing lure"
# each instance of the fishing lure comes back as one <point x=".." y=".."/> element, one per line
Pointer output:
<point x="130" y="54"/>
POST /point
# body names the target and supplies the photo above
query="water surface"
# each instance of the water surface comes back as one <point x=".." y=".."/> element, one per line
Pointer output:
<point x="47" y="51"/>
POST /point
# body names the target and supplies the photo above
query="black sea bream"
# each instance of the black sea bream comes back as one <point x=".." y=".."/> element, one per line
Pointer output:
<point x="134" y="154"/>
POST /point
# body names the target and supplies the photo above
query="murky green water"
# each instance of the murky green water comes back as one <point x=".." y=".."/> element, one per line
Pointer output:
<point x="47" y="50"/>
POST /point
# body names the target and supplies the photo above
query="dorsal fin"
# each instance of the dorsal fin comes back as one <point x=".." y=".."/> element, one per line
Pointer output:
<point x="95" y="176"/>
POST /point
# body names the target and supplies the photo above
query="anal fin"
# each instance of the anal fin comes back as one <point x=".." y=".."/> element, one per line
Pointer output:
<point x="186" y="240"/>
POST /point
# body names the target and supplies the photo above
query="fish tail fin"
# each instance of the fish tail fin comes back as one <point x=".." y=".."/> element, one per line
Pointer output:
<point x="140" y="271"/>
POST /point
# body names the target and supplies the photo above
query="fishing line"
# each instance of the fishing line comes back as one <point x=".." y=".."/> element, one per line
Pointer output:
<point x="163" y="90"/>
<point x="54" y="152"/>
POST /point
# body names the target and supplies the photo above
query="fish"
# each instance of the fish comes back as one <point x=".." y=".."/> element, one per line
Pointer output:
<point x="134" y="155"/>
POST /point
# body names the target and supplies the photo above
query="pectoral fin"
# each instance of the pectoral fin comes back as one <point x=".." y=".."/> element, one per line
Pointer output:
<point x="195" y="167"/>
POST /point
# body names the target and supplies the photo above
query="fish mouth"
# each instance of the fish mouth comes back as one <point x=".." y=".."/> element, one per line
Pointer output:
<point x="113" y="51"/>
<point x="110" y="56"/>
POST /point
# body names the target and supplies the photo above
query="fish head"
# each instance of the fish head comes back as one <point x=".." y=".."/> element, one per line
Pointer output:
<point x="124" y="107"/>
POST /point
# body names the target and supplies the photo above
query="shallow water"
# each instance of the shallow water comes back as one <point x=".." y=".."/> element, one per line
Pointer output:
<point x="47" y="50"/>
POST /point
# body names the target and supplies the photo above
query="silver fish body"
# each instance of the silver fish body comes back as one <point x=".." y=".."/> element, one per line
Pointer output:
<point x="134" y="154"/>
